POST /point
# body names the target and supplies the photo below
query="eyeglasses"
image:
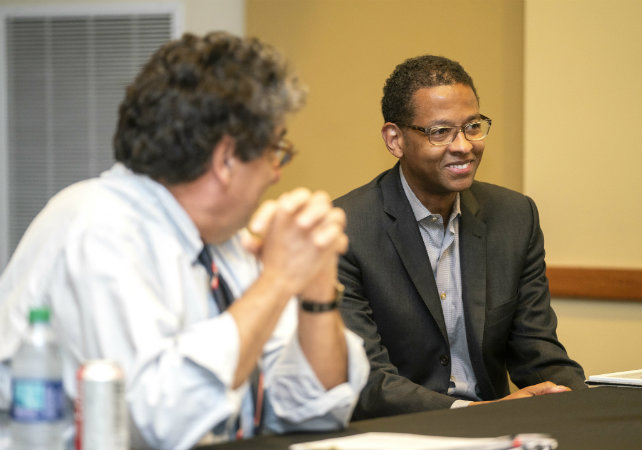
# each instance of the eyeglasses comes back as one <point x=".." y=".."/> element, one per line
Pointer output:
<point x="473" y="131"/>
<point x="283" y="152"/>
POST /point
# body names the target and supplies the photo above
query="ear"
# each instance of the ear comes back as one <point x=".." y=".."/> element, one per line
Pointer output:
<point x="223" y="159"/>
<point x="393" y="138"/>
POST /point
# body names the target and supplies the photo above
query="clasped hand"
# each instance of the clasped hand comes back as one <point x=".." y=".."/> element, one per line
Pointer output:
<point x="298" y="238"/>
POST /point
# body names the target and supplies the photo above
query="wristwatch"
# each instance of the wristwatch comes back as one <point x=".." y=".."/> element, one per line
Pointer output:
<point x="319" y="307"/>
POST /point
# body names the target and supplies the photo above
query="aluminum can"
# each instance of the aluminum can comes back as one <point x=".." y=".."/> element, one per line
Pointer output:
<point x="100" y="407"/>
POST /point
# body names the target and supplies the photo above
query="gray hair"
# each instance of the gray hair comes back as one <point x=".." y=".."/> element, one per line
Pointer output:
<point x="195" y="90"/>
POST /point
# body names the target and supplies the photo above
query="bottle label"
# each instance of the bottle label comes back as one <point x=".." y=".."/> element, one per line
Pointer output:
<point x="37" y="400"/>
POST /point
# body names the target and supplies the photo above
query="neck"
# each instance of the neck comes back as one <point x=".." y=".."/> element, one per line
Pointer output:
<point x="198" y="202"/>
<point x="437" y="204"/>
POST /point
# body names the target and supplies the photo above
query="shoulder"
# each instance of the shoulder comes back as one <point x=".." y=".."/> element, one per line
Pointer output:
<point x="364" y="196"/>
<point x="372" y="208"/>
<point x="115" y="207"/>
<point x="492" y="192"/>
<point x="494" y="197"/>
<point x="501" y="209"/>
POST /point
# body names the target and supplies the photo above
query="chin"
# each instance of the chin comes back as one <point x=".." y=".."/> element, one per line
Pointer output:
<point x="461" y="186"/>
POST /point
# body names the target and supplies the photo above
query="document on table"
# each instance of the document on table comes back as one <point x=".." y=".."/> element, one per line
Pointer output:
<point x="404" y="441"/>
<point x="628" y="378"/>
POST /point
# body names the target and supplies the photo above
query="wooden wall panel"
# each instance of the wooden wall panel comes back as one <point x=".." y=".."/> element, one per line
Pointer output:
<point x="595" y="283"/>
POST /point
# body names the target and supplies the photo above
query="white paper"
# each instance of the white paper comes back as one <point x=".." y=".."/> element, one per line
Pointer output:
<point x="630" y="377"/>
<point x="404" y="441"/>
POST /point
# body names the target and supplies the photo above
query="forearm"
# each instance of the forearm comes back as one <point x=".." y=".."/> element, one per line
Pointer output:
<point x="256" y="314"/>
<point x="298" y="400"/>
<point x="187" y="368"/>
<point x="388" y="393"/>
<point x="157" y="395"/>
<point x="535" y="353"/>
<point x="297" y="238"/>
<point x="322" y="340"/>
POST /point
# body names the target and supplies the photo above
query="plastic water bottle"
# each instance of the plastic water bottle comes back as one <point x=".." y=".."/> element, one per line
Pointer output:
<point x="38" y="404"/>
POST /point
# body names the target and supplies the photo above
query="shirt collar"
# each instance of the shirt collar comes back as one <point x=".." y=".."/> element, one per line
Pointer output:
<point x="418" y="209"/>
<point x="154" y="192"/>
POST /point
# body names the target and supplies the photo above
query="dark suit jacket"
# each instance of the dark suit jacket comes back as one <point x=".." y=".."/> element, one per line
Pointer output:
<point x="391" y="298"/>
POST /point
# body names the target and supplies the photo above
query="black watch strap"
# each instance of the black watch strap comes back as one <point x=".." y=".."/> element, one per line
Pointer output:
<point x="319" y="307"/>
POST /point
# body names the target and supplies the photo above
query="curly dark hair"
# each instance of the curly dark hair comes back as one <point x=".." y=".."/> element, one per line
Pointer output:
<point x="195" y="90"/>
<point x="416" y="73"/>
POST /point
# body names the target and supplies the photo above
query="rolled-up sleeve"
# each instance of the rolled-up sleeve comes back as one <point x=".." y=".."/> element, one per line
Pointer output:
<point x="298" y="401"/>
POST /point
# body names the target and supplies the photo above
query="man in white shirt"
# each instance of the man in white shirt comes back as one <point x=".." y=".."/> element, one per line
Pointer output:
<point x="119" y="258"/>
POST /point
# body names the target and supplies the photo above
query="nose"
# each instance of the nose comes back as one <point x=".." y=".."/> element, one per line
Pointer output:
<point x="460" y="143"/>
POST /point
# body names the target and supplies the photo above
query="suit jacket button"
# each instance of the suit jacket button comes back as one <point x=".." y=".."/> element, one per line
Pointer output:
<point x="444" y="360"/>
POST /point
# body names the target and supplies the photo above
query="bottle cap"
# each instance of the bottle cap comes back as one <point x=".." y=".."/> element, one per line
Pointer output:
<point x="40" y="314"/>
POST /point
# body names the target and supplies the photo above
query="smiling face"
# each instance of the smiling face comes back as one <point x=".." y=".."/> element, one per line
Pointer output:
<point x="437" y="173"/>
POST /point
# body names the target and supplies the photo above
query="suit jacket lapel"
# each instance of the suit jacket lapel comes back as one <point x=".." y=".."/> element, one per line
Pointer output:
<point x="405" y="235"/>
<point x="472" y="252"/>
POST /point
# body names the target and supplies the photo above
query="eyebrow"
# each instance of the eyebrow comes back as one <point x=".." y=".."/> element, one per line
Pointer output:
<point x="448" y="123"/>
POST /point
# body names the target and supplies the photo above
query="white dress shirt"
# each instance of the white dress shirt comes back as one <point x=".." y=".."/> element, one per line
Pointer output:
<point x="116" y="259"/>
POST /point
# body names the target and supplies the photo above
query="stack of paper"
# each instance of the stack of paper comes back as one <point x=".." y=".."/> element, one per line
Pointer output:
<point x="628" y="378"/>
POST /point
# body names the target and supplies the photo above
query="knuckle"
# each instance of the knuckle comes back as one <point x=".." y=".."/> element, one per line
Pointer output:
<point x="322" y="196"/>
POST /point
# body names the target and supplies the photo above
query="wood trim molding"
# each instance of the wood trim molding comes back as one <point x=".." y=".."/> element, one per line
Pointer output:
<point x="595" y="283"/>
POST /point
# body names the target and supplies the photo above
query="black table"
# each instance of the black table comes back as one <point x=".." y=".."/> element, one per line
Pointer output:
<point x="601" y="418"/>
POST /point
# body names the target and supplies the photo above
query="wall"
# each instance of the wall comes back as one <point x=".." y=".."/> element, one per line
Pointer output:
<point x="583" y="133"/>
<point x="604" y="336"/>
<point x="344" y="51"/>
<point x="583" y="153"/>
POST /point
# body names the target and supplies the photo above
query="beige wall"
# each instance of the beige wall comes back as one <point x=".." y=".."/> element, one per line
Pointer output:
<point x="344" y="51"/>
<point x="583" y="128"/>
<point x="603" y="336"/>
<point x="583" y="153"/>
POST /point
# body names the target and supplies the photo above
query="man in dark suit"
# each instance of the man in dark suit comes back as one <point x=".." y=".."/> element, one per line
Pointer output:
<point x="445" y="276"/>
